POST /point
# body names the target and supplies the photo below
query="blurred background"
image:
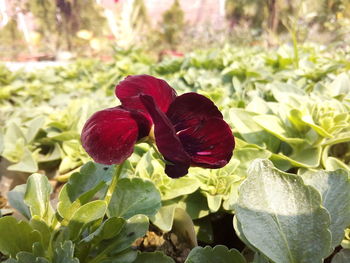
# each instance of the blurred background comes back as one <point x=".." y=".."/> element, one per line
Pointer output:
<point x="32" y="30"/>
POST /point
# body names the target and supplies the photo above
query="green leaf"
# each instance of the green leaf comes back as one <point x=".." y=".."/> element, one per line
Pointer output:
<point x="151" y="257"/>
<point x="134" y="196"/>
<point x="165" y="216"/>
<point x="214" y="202"/>
<point x="34" y="126"/>
<point x="26" y="164"/>
<point x="16" y="236"/>
<point x="343" y="256"/>
<point x="246" y="155"/>
<point x="259" y="258"/>
<point x="239" y="232"/>
<point x="251" y="132"/>
<point x="195" y="205"/>
<point x="52" y="155"/>
<point x="16" y="200"/>
<point x="134" y="228"/>
<point x="45" y="231"/>
<point x="340" y="138"/>
<point x="183" y="228"/>
<point x="90" y="176"/>
<point x="340" y="86"/>
<point x="178" y="187"/>
<point x="109" y="229"/>
<point x="64" y="253"/>
<point x="26" y="257"/>
<point x="334" y="188"/>
<point x="37" y="197"/>
<point x="82" y="186"/>
<point x="126" y="256"/>
<point x="302" y="156"/>
<point x="86" y="214"/>
<point x="332" y="163"/>
<point x="275" y="126"/>
<point x="283" y="217"/>
<point x="218" y="254"/>
<point x="13" y="133"/>
<point x="307" y="120"/>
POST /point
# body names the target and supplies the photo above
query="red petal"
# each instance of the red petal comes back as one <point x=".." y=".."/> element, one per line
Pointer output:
<point x="190" y="109"/>
<point x="129" y="89"/>
<point x="209" y="144"/>
<point x="109" y="135"/>
<point x="167" y="142"/>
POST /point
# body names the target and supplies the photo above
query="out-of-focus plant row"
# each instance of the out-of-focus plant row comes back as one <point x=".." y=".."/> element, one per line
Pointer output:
<point x="294" y="112"/>
<point x="40" y="30"/>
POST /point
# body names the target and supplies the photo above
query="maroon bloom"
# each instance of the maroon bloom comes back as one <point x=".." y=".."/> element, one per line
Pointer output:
<point x="109" y="135"/>
<point x="189" y="130"/>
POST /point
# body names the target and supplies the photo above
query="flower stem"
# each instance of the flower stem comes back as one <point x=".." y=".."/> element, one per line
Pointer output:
<point x="114" y="182"/>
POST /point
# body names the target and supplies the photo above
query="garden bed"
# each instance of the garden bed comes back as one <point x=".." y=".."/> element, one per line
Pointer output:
<point x="284" y="196"/>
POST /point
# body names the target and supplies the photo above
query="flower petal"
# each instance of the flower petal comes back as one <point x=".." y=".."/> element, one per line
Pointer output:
<point x="109" y="135"/>
<point x="131" y="87"/>
<point x="167" y="142"/>
<point x="209" y="144"/>
<point x="190" y="109"/>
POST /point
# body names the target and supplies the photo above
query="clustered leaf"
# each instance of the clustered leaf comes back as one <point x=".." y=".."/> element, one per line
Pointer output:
<point x="303" y="217"/>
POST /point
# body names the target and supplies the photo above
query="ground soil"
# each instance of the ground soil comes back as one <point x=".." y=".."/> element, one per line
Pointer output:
<point x="168" y="243"/>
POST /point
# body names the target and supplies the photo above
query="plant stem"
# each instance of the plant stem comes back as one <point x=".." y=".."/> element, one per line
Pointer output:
<point x="114" y="182"/>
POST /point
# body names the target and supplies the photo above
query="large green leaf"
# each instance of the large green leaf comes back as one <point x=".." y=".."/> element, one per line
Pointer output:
<point x="275" y="126"/>
<point x="218" y="254"/>
<point x="26" y="164"/>
<point x="26" y="257"/>
<point x="340" y="85"/>
<point x="16" y="236"/>
<point x="86" y="214"/>
<point x="251" y="131"/>
<point x="37" y="197"/>
<point x="195" y="205"/>
<point x="126" y="256"/>
<point x="334" y="188"/>
<point x="134" y="228"/>
<point x="107" y="230"/>
<point x="164" y="218"/>
<point x="178" y="187"/>
<point x="90" y="176"/>
<point x="45" y="231"/>
<point x="134" y="196"/>
<point x="64" y="253"/>
<point x="16" y="200"/>
<point x="283" y="217"/>
<point x="82" y="186"/>
<point x="34" y="126"/>
<point x="151" y="257"/>
<point x="343" y="256"/>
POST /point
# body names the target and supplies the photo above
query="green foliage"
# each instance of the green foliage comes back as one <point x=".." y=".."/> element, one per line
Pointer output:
<point x="296" y="118"/>
<point x="80" y="231"/>
<point x="149" y="257"/>
<point x="134" y="196"/>
<point x="218" y="254"/>
<point x="301" y="220"/>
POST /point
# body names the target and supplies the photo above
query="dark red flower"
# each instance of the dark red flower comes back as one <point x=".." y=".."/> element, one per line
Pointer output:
<point x="189" y="130"/>
<point x="109" y="135"/>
